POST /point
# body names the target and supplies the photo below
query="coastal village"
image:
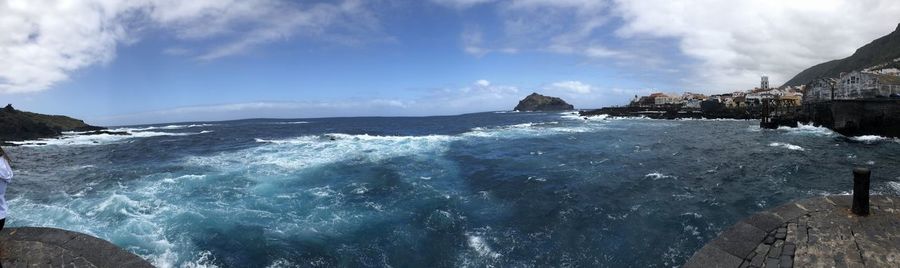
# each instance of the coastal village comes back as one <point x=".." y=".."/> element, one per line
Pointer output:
<point x="877" y="83"/>
<point x="734" y="100"/>
<point x="864" y="101"/>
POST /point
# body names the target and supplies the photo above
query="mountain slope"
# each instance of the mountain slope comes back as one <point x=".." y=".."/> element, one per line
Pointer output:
<point x="883" y="50"/>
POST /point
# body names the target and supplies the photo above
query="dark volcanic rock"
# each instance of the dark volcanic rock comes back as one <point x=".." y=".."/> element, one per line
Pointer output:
<point x="99" y="132"/>
<point x="538" y="102"/>
<point x="18" y="125"/>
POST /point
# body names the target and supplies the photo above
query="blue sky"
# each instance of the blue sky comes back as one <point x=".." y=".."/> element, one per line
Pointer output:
<point x="155" y="61"/>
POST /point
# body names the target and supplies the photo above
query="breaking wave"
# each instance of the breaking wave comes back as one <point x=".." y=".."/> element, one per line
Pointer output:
<point x="787" y="146"/>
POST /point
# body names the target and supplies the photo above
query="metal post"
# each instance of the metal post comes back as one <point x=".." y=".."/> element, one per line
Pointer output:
<point x="861" y="191"/>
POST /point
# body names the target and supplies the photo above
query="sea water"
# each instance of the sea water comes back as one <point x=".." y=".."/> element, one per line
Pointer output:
<point x="487" y="189"/>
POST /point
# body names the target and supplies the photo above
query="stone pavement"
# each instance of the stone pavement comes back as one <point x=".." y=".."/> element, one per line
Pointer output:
<point x="50" y="247"/>
<point x="815" y="232"/>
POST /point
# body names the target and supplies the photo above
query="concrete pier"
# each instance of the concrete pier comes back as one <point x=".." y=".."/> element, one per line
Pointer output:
<point x="50" y="247"/>
<point x="815" y="232"/>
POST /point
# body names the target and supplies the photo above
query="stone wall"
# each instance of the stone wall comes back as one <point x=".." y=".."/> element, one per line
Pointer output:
<point x="856" y="117"/>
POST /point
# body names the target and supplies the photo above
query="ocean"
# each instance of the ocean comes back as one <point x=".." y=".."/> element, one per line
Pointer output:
<point x="476" y="190"/>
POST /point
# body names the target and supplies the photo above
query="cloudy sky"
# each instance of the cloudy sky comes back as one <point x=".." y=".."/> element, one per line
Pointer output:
<point x="117" y="62"/>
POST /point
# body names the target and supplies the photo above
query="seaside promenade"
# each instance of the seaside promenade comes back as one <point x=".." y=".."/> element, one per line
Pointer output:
<point x="828" y="231"/>
<point x="51" y="247"/>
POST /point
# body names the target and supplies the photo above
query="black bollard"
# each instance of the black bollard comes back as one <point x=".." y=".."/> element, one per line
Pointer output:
<point x="861" y="191"/>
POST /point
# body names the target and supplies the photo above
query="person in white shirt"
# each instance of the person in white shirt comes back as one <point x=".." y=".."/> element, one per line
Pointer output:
<point x="5" y="177"/>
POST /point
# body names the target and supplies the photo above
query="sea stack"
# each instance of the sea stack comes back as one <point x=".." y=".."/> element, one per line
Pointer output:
<point x="538" y="102"/>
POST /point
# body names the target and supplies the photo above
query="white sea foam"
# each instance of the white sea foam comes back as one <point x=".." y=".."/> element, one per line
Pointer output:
<point x="291" y="123"/>
<point x="314" y="150"/>
<point x="168" y="127"/>
<point x="895" y="186"/>
<point x="98" y="139"/>
<point x="787" y="146"/>
<point x="530" y="130"/>
<point x="478" y="244"/>
<point x="714" y="119"/>
<point x="802" y="129"/>
<point x="873" y="139"/>
<point x="657" y="176"/>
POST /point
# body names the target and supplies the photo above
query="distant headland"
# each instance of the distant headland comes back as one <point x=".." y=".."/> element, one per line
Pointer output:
<point x="538" y="102"/>
<point x="18" y="125"/>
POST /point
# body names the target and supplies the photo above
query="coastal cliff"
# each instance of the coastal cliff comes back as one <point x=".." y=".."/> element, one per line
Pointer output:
<point x="18" y="125"/>
<point x="538" y="102"/>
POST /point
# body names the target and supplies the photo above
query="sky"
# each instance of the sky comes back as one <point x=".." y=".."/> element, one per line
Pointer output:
<point x="115" y="62"/>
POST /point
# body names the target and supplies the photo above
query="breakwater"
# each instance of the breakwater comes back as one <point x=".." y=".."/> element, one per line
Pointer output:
<point x="856" y="117"/>
<point x="828" y="231"/>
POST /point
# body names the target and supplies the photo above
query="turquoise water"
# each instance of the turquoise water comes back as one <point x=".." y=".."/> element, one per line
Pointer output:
<point x="489" y="189"/>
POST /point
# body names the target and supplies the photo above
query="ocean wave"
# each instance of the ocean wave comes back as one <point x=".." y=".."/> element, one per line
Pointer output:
<point x="894" y="186"/>
<point x="657" y="176"/>
<point x="787" y="146"/>
<point x="290" y="123"/>
<point x="78" y="139"/>
<point x="804" y="129"/>
<point x="168" y="127"/>
<point x="315" y="150"/>
<point x="714" y="119"/>
<point x="481" y="247"/>
<point x="525" y="130"/>
<point x="872" y="139"/>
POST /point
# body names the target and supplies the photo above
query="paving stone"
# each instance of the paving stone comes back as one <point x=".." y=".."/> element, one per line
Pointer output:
<point x="788" y="211"/>
<point x="712" y="256"/>
<point x="765" y="221"/>
<point x="815" y="232"/>
<point x="740" y="239"/>
<point x="786" y="261"/>
<point x="769" y="240"/>
<point x="780" y="236"/>
<point x="758" y="260"/>
<point x="788" y="249"/>
<point x="775" y="252"/>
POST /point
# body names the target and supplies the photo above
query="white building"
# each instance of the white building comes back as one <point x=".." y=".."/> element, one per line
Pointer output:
<point x="664" y="99"/>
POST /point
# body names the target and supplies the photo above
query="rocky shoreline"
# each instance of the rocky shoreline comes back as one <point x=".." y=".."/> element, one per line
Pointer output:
<point x="16" y="125"/>
<point x="672" y="113"/>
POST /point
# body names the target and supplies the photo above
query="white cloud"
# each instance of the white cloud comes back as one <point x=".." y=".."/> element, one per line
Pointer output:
<point x="723" y="44"/>
<point x="572" y="86"/>
<point x="44" y="41"/>
<point x="461" y="3"/>
<point x="736" y="41"/>
<point x="557" y="26"/>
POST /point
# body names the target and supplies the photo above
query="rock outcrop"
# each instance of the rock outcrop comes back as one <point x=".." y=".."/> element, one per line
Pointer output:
<point x="538" y="102"/>
<point x="18" y="125"/>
